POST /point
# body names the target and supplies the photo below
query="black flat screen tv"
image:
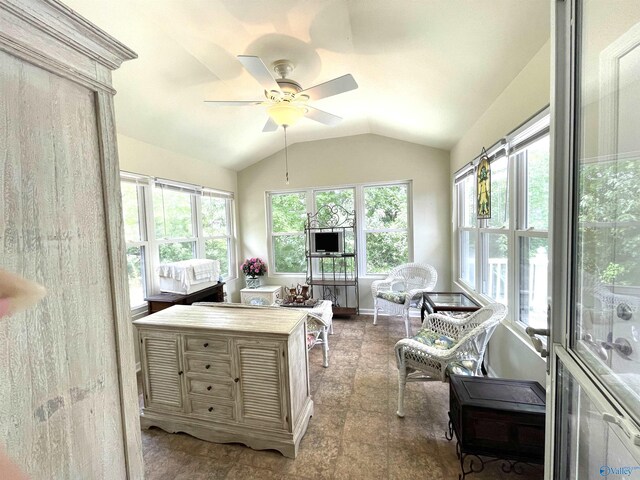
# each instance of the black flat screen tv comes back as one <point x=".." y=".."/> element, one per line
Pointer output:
<point x="327" y="242"/>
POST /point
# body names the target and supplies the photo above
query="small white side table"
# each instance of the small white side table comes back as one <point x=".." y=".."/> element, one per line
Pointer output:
<point x="264" y="295"/>
<point x="319" y="326"/>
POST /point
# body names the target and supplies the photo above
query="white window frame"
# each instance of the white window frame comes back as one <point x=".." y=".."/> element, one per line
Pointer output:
<point x="482" y="265"/>
<point x="144" y="192"/>
<point x="362" y="241"/>
<point x="271" y="234"/>
<point x="229" y="236"/>
<point x="472" y="230"/>
<point x="358" y="189"/>
<point x="515" y="229"/>
<point x="195" y="229"/>
<point x="146" y="185"/>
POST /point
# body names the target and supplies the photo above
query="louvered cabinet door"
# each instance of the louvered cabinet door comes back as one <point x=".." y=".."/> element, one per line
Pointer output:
<point x="162" y="371"/>
<point x="262" y="392"/>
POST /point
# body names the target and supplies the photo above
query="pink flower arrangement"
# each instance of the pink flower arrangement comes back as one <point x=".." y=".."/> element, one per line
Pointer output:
<point x="254" y="267"/>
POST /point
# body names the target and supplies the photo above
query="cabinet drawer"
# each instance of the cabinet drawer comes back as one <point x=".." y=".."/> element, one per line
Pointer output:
<point x="213" y="409"/>
<point x="218" y="367"/>
<point x="216" y="388"/>
<point x="208" y="345"/>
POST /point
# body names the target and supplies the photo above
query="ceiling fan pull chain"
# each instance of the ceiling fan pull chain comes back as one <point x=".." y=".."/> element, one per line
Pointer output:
<point x="286" y="156"/>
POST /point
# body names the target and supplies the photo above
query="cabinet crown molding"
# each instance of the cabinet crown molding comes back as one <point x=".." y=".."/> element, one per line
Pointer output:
<point x="69" y="28"/>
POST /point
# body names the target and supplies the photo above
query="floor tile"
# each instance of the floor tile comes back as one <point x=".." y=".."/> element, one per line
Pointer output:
<point x="362" y="461"/>
<point x="354" y="432"/>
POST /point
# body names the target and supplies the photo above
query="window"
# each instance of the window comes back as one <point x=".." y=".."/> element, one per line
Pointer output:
<point x="173" y="216"/>
<point x="386" y="223"/>
<point x="288" y="219"/>
<point x="216" y="230"/>
<point x="135" y="234"/>
<point x="167" y="222"/>
<point x="532" y="245"/>
<point x="467" y="233"/>
<point x="383" y="234"/>
<point x="505" y="257"/>
<point x="494" y="245"/>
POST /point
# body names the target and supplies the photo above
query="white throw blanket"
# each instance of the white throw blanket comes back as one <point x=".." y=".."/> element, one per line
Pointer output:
<point x="200" y="269"/>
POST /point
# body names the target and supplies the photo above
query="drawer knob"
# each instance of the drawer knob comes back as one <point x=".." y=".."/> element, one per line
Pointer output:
<point x="236" y="380"/>
<point x="211" y="409"/>
<point x="209" y="387"/>
<point x="207" y="366"/>
<point x="206" y="345"/>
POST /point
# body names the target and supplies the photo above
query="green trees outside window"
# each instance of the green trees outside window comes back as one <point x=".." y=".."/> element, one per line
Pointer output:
<point x="288" y="218"/>
<point x="185" y="224"/>
<point x="384" y="225"/>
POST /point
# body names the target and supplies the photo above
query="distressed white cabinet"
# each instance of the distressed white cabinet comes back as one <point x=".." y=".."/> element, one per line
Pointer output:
<point x="227" y="373"/>
<point x="262" y="371"/>
<point x="68" y="396"/>
<point x="265" y="295"/>
<point x="160" y="359"/>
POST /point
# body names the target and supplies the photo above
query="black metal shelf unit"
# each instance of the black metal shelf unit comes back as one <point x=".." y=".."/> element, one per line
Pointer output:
<point x="334" y="275"/>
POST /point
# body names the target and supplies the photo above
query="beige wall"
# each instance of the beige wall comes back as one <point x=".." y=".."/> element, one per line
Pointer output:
<point x="510" y="355"/>
<point x="146" y="159"/>
<point x="525" y="95"/>
<point x="353" y="160"/>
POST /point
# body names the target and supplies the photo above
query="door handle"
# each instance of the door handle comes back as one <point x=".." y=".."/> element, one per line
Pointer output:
<point x="537" y="343"/>
<point x="629" y="429"/>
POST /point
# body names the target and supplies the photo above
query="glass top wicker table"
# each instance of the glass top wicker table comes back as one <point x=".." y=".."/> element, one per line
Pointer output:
<point x="436" y="302"/>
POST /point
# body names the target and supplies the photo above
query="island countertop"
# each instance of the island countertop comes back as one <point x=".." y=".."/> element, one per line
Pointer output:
<point x="227" y="317"/>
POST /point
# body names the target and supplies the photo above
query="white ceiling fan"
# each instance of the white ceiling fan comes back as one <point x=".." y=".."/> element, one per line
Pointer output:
<point x="285" y="100"/>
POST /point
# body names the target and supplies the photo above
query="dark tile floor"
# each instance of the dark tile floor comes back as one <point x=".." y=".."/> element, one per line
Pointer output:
<point x="354" y="433"/>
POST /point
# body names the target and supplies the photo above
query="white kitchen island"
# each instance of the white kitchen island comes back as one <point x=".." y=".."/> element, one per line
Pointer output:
<point x="229" y="373"/>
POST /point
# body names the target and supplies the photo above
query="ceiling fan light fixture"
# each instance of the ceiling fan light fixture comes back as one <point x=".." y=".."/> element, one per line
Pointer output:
<point x="285" y="113"/>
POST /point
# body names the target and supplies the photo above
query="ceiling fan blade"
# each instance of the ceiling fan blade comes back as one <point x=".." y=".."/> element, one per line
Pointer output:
<point x="259" y="71"/>
<point x="270" y="126"/>
<point x="322" y="117"/>
<point x="332" y="87"/>
<point x="234" y="103"/>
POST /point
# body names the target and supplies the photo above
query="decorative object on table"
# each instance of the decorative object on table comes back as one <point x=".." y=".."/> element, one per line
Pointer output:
<point x="310" y="303"/>
<point x="254" y="268"/>
<point x="483" y="180"/>
<point x="299" y="296"/>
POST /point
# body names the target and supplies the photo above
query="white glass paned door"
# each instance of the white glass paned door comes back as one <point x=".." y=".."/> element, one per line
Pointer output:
<point x="593" y="448"/>
<point x="595" y="402"/>
<point x="606" y="334"/>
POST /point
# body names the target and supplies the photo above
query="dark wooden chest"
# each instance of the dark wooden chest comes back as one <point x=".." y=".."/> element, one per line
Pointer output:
<point x="161" y="301"/>
<point x="498" y="418"/>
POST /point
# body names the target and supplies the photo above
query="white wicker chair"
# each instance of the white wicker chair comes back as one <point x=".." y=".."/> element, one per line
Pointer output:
<point x="419" y="362"/>
<point x="410" y="280"/>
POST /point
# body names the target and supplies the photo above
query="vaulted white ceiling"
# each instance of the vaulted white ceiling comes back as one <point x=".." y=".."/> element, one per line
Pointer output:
<point x="426" y="69"/>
